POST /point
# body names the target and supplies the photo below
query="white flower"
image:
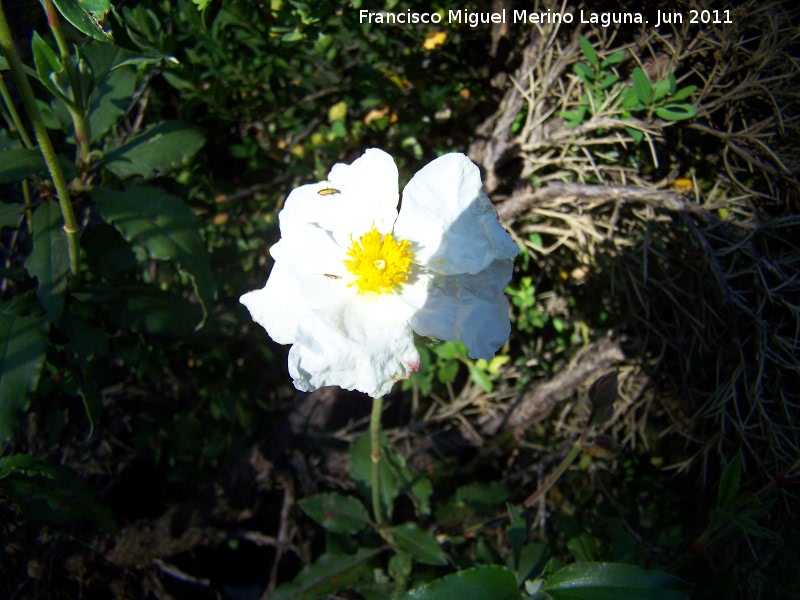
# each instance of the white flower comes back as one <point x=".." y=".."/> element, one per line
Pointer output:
<point x="353" y="281"/>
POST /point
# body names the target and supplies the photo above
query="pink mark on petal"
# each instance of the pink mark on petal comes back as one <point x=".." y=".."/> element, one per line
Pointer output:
<point x="413" y="367"/>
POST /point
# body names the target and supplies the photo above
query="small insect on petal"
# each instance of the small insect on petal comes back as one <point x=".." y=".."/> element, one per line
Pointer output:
<point x="328" y="191"/>
<point x="329" y="276"/>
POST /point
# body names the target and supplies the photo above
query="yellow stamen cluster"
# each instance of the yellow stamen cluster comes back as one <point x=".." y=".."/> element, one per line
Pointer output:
<point x="379" y="262"/>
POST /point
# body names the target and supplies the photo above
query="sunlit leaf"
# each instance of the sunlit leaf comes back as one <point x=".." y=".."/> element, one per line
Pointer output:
<point x="676" y="111"/>
<point x="588" y="51"/>
<point x="158" y="150"/>
<point x="641" y="85"/>
<point x="165" y="227"/>
<point x="85" y="16"/>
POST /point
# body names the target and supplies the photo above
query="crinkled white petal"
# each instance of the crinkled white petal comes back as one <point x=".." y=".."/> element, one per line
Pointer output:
<point x="290" y="295"/>
<point x="470" y="308"/>
<point x="366" y="196"/>
<point x="450" y="221"/>
<point x="363" y="344"/>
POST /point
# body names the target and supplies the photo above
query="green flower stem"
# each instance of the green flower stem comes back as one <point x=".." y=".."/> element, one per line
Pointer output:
<point x="25" y="90"/>
<point x="375" y="437"/>
<point x="83" y="133"/>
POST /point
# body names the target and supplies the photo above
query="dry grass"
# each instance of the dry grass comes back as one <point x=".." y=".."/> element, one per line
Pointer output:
<point x="692" y="234"/>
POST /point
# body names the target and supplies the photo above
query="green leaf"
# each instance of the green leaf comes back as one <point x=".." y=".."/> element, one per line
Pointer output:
<point x="111" y="97"/>
<point x="532" y="560"/>
<point x="90" y="394"/>
<point x="419" y="543"/>
<point x="335" y="512"/>
<point x="164" y="226"/>
<point x="630" y="101"/>
<point x="661" y="89"/>
<point x="448" y="371"/>
<point x="85" y="16"/>
<point x="636" y="134"/>
<point x="329" y="573"/>
<point x="517" y="531"/>
<point x="481" y="379"/>
<point x="683" y="93"/>
<point x="361" y="471"/>
<point x="641" y="86"/>
<point x="571" y="116"/>
<point x="583" y="548"/>
<point x="729" y="482"/>
<point x="49" y="259"/>
<point x="612" y="581"/>
<point x="19" y="163"/>
<point x="676" y="111"/>
<point x="588" y="51"/>
<point x="23" y="343"/>
<point x="584" y="72"/>
<point x="608" y="81"/>
<point x="613" y="59"/>
<point x="159" y="149"/>
<point x="9" y="213"/>
<point x="449" y="350"/>
<point x="51" y="494"/>
<point x="50" y="70"/>
<point x="483" y="497"/>
<point x="479" y="583"/>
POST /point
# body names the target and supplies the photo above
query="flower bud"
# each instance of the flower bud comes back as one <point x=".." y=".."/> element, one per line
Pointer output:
<point x="602" y="395"/>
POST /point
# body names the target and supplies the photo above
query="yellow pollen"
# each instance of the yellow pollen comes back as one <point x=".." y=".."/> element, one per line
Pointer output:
<point x="379" y="262"/>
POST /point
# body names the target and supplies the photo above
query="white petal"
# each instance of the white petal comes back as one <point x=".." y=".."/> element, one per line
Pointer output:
<point x="290" y="296"/>
<point x="366" y="195"/>
<point x="470" y="308"/>
<point x="450" y="221"/>
<point x="370" y="186"/>
<point x="359" y="346"/>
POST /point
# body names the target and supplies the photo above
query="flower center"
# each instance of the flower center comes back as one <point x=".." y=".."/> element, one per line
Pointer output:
<point x="378" y="262"/>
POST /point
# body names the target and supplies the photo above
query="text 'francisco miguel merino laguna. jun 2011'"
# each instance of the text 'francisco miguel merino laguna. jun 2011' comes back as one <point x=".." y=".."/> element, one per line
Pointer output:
<point x="605" y="19"/>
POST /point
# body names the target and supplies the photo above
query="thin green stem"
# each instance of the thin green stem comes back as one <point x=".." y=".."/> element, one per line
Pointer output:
<point x="375" y="437"/>
<point x="577" y="447"/>
<point x="77" y="111"/>
<point x="15" y="118"/>
<point x="24" y="87"/>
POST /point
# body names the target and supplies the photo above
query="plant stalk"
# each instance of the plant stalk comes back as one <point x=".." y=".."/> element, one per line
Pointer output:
<point x="48" y="152"/>
<point x="77" y="111"/>
<point x="375" y="437"/>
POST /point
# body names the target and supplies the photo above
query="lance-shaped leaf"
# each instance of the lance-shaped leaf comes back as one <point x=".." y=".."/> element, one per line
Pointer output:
<point x="159" y="149"/>
<point x="23" y="343"/>
<point x="165" y="227"/>
<point x="331" y="572"/>
<point x="479" y="583"/>
<point x="85" y="16"/>
<point x="49" y="259"/>
<point x="419" y="543"/>
<point x="613" y="581"/>
<point x="335" y="512"/>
